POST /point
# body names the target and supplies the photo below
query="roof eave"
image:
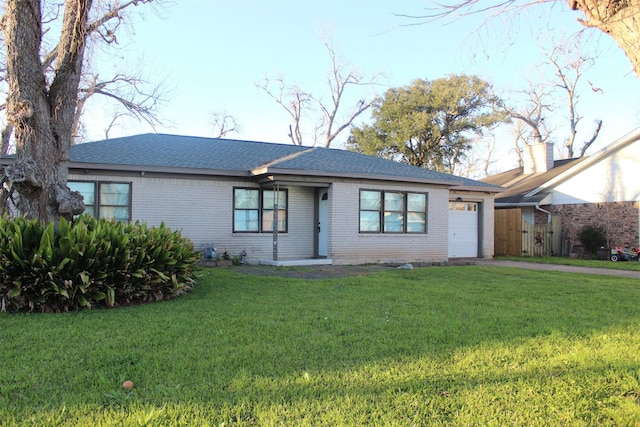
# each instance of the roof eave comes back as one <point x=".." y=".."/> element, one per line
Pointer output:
<point x="515" y="204"/>
<point x="488" y="189"/>
<point x="262" y="171"/>
<point x="157" y="169"/>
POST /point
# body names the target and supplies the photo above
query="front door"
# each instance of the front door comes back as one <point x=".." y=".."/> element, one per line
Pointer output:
<point x="323" y="220"/>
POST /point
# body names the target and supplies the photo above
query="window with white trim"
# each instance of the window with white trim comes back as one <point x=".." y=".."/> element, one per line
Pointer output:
<point x="393" y="212"/>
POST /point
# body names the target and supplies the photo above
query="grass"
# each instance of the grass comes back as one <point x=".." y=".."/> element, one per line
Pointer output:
<point x="484" y="346"/>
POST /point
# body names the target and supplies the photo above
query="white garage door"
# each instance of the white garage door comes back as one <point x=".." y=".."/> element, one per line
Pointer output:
<point x="463" y="230"/>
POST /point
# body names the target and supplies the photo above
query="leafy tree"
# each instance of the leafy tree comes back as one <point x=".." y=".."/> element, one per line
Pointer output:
<point x="43" y="99"/>
<point x="429" y="123"/>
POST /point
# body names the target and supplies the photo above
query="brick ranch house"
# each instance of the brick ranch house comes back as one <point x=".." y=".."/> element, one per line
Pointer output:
<point x="285" y="204"/>
<point x="566" y="195"/>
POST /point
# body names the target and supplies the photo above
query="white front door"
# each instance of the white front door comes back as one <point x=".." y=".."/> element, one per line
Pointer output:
<point x="323" y="221"/>
<point x="463" y="230"/>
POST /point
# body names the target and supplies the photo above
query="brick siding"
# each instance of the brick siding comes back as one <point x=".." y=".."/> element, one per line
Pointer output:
<point x="203" y="210"/>
<point x="618" y="219"/>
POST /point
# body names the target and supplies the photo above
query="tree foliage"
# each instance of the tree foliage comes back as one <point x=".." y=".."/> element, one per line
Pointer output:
<point x="431" y="124"/>
<point x="592" y="237"/>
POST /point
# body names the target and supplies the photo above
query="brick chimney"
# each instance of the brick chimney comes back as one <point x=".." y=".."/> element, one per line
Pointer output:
<point x="537" y="158"/>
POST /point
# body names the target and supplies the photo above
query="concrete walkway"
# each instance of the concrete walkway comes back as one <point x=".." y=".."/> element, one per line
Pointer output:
<point x="563" y="268"/>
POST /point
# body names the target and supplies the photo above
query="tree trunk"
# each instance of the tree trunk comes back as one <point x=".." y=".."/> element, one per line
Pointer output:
<point x="618" y="18"/>
<point x="42" y="116"/>
<point x="5" y="139"/>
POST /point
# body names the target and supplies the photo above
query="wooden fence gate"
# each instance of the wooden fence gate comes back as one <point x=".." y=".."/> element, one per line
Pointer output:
<point x="515" y="237"/>
<point x="507" y="239"/>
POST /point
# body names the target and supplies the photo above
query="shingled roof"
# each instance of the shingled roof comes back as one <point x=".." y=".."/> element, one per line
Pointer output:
<point x="181" y="152"/>
<point x="518" y="184"/>
<point x="214" y="156"/>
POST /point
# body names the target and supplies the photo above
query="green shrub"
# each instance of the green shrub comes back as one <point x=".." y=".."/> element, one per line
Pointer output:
<point x="89" y="262"/>
<point x="592" y="237"/>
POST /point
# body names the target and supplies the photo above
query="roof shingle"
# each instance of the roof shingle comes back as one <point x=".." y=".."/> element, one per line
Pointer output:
<point x="198" y="153"/>
<point x="175" y="151"/>
<point x="518" y="184"/>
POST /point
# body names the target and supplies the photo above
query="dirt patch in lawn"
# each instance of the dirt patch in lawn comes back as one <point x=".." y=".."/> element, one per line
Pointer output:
<point x="313" y="272"/>
<point x="329" y="271"/>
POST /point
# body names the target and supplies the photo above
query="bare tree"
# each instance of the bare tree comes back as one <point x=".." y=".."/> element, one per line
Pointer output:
<point x="133" y="94"/>
<point x="477" y="164"/>
<point x="224" y="124"/>
<point x="488" y="161"/>
<point x="520" y="139"/>
<point x="293" y="100"/>
<point x="587" y="143"/>
<point x="114" y="119"/>
<point x="296" y="102"/>
<point x="5" y="138"/>
<point x="136" y="97"/>
<point x="616" y="18"/>
<point x="42" y="105"/>
<point x="532" y="114"/>
<point x="338" y="80"/>
<point x="569" y="67"/>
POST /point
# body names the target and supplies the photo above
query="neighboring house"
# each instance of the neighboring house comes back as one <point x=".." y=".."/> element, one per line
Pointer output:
<point x="563" y="196"/>
<point x="330" y="206"/>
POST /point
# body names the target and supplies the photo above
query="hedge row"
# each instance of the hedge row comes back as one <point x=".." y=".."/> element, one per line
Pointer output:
<point x="89" y="262"/>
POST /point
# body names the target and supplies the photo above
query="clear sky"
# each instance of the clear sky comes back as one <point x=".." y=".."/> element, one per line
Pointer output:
<point x="212" y="52"/>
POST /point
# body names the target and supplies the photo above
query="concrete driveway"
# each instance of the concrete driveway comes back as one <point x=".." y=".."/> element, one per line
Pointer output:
<point x="563" y="268"/>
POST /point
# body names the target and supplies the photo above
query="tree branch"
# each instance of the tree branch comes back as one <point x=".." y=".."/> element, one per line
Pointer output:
<point x="296" y="101"/>
<point x="595" y="134"/>
<point x="225" y="124"/>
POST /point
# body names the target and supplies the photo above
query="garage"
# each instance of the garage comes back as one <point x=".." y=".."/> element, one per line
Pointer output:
<point x="463" y="230"/>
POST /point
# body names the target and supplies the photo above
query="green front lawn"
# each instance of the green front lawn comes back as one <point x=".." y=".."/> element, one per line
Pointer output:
<point x="433" y="346"/>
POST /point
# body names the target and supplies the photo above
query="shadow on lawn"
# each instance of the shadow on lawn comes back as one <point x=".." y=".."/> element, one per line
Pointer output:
<point x="242" y="341"/>
<point x="594" y="393"/>
<point x="294" y="324"/>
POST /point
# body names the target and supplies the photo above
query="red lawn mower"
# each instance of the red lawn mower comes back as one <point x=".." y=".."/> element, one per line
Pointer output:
<point x="624" y="254"/>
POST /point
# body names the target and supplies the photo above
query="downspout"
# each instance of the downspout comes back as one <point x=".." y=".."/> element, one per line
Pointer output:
<point x="538" y="208"/>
